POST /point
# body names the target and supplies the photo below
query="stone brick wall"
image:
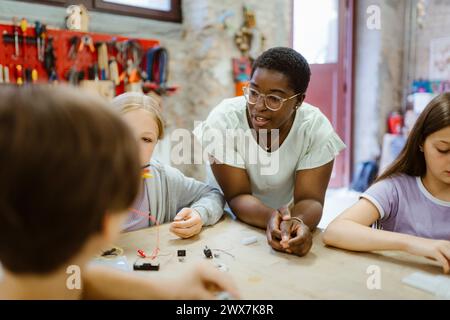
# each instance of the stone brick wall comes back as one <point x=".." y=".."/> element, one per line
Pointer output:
<point x="200" y="49"/>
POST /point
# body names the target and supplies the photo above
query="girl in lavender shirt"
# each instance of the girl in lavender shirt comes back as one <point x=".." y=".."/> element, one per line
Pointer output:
<point x="410" y="201"/>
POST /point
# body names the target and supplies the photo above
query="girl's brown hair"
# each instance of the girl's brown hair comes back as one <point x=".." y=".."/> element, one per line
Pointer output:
<point x="130" y="101"/>
<point x="65" y="161"/>
<point x="411" y="160"/>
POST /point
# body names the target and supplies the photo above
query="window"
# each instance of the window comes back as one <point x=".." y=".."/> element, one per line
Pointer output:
<point x="316" y="30"/>
<point x="168" y="10"/>
<point x="165" y="10"/>
<point x="161" y="5"/>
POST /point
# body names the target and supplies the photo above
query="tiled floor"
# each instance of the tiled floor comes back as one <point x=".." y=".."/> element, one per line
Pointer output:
<point x="336" y="201"/>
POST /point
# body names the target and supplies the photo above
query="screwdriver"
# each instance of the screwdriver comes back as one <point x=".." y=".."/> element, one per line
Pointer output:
<point x="34" y="76"/>
<point x="16" y="36"/>
<point x="28" y="72"/>
<point x="38" y="29"/>
<point x="43" y="36"/>
<point x="6" y="74"/>
<point x="19" y="74"/>
<point x="23" y="27"/>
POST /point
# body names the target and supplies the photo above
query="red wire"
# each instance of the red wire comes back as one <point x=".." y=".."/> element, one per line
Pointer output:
<point x="153" y="219"/>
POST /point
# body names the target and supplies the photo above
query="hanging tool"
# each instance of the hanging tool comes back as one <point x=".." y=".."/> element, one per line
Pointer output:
<point x="19" y="74"/>
<point x="93" y="72"/>
<point x="86" y="40"/>
<point x="102" y="52"/>
<point x="49" y="58"/>
<point x="6" y="74"/>
<point x="16" y="37"/>
<point x="9" y="38"/>
<point x="74" y="77"/>
<point x="133" y="74"/>
<point x="114" y="71"/>
<point x="130" y="49"/>
<point x="74" y="45"/>
<point x="34" y="76"/>
<point x="130" y="74"/>
<point x="43" y="37"/>
<point x="38" y="31"/>
<point x="130" y="57"/>
<point x="157" y="60"/>
<point x="23" y="27"/>
<point x="153" y="87"/>
<point x="28" y="75"/>
<point x="53" y="77"/>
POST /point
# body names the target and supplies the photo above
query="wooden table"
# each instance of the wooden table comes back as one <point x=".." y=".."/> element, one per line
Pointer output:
<point x="262" y="273"/>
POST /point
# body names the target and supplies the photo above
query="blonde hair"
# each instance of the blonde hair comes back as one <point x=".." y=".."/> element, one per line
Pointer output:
<point x="130" y="101"/>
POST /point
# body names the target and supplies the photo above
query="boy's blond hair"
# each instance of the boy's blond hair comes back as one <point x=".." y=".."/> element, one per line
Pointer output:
<point x="130" y="101"/>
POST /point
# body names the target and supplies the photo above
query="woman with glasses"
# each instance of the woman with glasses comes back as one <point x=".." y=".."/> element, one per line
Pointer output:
<point x="272" y="154"/>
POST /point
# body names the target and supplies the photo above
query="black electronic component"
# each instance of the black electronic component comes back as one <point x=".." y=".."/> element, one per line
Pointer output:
<point x="208" y="253"/>
<point x="146" y="267"/>
<point x="109" y="252"/>
<point x="181" y="254"/>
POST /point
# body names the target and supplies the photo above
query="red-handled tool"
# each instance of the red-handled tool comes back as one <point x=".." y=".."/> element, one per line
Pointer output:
<point x="19" y="74"/>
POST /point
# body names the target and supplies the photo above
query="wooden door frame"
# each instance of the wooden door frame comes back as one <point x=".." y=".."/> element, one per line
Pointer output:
<point x="346" y="55"/>
<point x="349" y="63"/>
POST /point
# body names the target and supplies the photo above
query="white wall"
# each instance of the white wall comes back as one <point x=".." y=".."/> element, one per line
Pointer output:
<point x="378" y="87"/>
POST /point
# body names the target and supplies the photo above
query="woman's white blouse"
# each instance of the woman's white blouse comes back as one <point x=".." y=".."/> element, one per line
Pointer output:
<point x="311" y="143"/>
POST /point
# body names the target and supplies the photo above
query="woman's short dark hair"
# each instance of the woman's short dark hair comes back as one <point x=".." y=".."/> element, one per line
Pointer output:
<point x="288" y="62"/>
<point x="65" y="161"/>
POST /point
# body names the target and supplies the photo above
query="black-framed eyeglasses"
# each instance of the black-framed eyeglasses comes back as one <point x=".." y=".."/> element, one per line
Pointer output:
<point x="271" y="101"/>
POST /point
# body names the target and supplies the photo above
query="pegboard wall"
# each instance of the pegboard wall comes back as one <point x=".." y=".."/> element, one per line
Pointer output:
<point x="28" y="53"/>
